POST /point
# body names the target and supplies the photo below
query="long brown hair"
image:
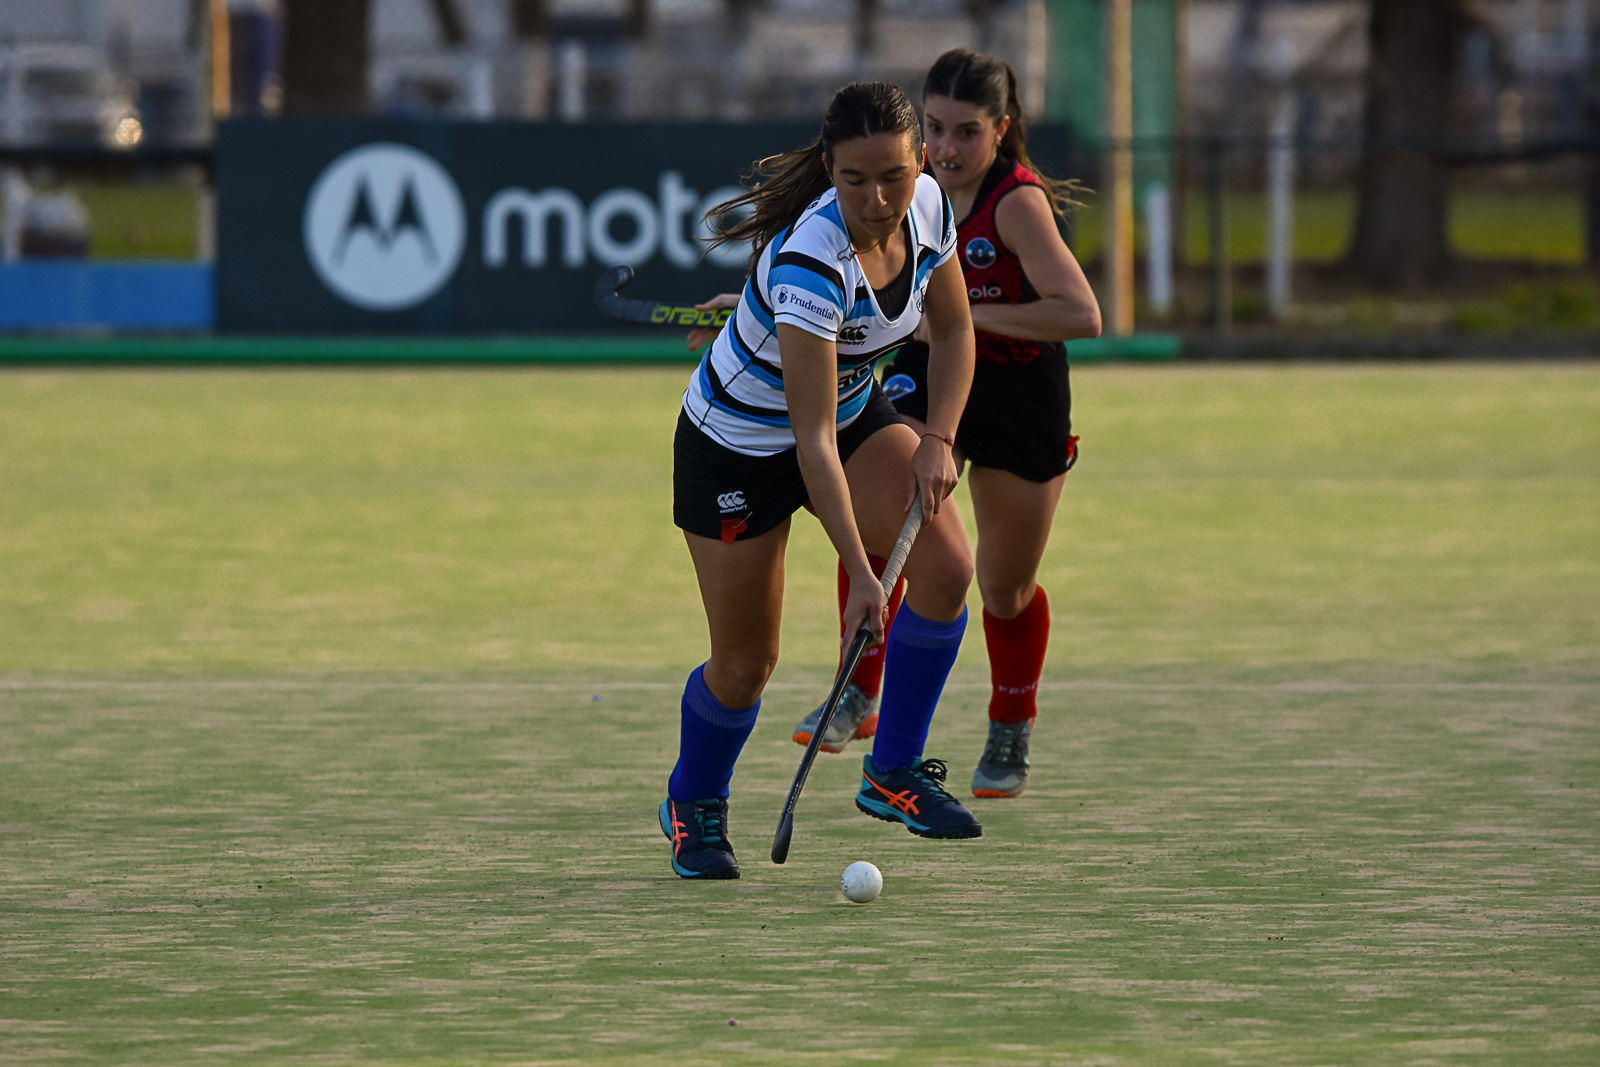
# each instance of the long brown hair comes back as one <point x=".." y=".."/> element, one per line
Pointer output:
<point x="786" y="184"/>
<point x="990" y="85"/>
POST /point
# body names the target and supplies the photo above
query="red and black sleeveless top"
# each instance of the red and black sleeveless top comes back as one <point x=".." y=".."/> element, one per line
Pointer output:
<point x="993" y="272"/>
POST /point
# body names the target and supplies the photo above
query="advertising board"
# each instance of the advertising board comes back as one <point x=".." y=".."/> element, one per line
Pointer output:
<point x="406" y="227"/>
<point x="403" y="226"/>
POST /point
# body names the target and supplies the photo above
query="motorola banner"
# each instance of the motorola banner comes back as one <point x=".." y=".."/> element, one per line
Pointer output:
<point x="396" y="226"/>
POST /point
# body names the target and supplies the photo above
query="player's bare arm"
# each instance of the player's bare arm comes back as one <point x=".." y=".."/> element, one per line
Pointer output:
<point x="811" y="387"/>
<point x="1066" y="309"/>
<point x="951" y="354"/>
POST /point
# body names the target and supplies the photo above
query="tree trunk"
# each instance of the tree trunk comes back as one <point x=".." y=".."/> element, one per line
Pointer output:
<point x="529" y="19"/>
<point x="638" y="18"/>
<point x="1402" y="194"/>
<point x="447" y="16"/>
<point x="866" y="31"/>
<point x="325" y="56"/>
<point x="1591" y="112"/>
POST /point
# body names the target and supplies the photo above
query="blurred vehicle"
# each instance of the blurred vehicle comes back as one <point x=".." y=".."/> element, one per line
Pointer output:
<point x="65" y="94"/>
<point x="444" y="85"/>
<point x="55" y="225"/>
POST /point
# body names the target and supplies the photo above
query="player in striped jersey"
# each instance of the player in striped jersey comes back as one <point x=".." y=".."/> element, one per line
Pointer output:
<point x="808" y="276"/>
<point x="1028" y="296"/>
<point x="854" y="247"/>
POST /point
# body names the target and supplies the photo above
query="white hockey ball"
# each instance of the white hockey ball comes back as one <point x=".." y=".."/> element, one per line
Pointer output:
<point x="861" y="881"/>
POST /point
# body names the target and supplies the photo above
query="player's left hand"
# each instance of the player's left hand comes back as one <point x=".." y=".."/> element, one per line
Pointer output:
<point x="934" y="475"/>
<point x="701" y="336"/>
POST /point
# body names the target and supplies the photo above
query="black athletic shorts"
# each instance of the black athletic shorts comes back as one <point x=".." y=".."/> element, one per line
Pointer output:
<point x="717" y="492"/>
<point x="1018" y="416"/>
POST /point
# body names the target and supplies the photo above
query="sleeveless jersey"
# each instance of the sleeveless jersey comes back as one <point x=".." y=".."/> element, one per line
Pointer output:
<point x="809" y="277"/>
<point x="993" y="272"/>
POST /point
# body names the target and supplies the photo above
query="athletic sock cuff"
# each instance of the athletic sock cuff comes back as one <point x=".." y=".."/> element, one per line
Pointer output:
<point x="912" y="629"/>
<point x="1026" y="619"/>
<point x="697" y="697"/>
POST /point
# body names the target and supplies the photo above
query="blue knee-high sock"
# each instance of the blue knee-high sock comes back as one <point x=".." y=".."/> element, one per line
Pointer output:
<point x="709" y="741"/>
<point x="916" y="663"/>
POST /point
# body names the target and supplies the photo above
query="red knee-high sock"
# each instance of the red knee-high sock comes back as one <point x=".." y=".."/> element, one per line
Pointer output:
<point x="869" y="672"/>
<point x="1016" y="659"/>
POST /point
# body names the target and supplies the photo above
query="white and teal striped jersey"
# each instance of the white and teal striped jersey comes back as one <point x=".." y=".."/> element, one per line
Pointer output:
<point x="809" y="277"/>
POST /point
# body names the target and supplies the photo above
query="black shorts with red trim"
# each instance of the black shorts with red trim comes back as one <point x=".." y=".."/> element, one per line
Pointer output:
<point x="720" y="493"/>
<point x="1018" y="416"/>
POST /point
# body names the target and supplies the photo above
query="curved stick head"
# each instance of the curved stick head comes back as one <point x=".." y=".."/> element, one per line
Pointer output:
<point x="611" y="281"/>
<point x="780" y="840"/>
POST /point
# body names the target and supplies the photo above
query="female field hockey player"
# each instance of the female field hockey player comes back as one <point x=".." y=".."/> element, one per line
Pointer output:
<point x="1028" y="295"/>
<point x="853" y="248"/>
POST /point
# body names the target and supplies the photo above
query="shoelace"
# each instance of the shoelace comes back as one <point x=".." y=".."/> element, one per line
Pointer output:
<point x="712" y="823"/>
<point x="1002" y="748"/>
<point x="934" y="771"/>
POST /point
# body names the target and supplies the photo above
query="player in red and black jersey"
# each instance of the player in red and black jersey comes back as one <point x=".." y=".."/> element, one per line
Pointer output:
<point x="1028" y="295"/>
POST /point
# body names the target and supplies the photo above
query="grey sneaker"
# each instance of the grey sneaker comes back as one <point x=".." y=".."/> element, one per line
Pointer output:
<point x="1003" y="770"/>
<point x="857" y="716"/>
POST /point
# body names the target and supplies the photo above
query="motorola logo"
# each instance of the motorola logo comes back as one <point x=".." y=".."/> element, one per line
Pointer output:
<point x="384" y="227"/>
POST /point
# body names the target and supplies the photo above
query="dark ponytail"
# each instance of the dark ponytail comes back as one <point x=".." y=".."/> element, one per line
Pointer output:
<point x="990" y="85"/>
<point x="786" y="184"/>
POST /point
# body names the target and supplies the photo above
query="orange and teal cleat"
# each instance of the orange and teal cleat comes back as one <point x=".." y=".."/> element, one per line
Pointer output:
<point x="855" y="717"/>
<point x="698" y="830"/>
<point x="1003" y="770"/>
<point x="915" y="796"/>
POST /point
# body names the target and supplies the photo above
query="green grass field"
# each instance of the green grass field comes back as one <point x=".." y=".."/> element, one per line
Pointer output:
<point x="334" y="708"/>
<point x="144" y="220"/>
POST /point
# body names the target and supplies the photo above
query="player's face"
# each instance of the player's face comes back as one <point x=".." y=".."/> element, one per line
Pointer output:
<point x="876" y="177"/>
<point x="962" y="140"/>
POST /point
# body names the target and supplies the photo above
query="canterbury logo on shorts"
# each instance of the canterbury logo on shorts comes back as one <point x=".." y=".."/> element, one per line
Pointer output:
<point x="733" y="524"/>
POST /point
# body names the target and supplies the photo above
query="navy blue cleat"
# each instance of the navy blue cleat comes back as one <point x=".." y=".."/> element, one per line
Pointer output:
<point x="915" y="796"/>
<point x="698" y="830"/>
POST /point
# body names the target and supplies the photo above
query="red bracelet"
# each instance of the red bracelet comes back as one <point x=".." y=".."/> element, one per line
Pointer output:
<point x="941" y="437"/>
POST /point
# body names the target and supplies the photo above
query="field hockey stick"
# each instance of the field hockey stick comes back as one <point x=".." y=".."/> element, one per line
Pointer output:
<point x="627" y="309"/>
<point x="891" y="574"/>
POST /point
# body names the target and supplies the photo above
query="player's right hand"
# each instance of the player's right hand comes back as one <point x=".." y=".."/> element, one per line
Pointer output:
<point x="865" y="603"/>
<point x="701" y="336"/>
<point x="934" y="475"/>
